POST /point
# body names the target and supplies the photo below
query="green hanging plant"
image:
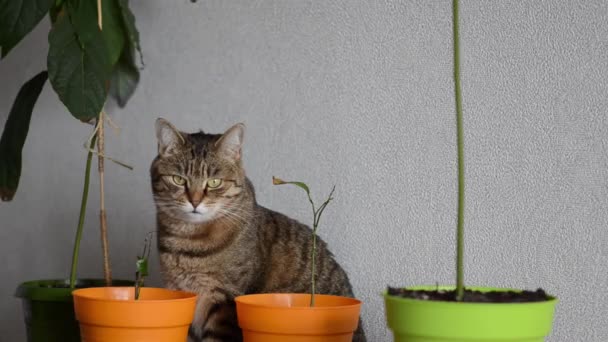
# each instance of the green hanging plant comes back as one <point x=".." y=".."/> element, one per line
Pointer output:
<point x="92" y="49"/>
<point x="85" y="65"/>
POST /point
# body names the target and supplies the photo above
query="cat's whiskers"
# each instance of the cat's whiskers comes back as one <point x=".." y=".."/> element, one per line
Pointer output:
<point x="166" y="205"/>
<point x="230" y="216"/>
<point x="236" y="209"/>
<point x="233" y="216"/>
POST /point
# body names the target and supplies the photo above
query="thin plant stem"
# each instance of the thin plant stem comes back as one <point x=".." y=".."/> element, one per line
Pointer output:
<point x="316" y="218"/>
<point x="313" y="249"/>
<point x="316" y="213"/>
<point x="460" y="143"/>
<point x="103" y="225"/>
<point x="99" y="15"/>
<point x="142" y="265"/>
<point x="83" y="209"/>
<point x="107" y="271"/>
<point x="313" y="266"/>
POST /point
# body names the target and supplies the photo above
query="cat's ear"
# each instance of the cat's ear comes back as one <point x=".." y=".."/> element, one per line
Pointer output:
<point x="230" y="143"/>
<point x="169" y="138"/>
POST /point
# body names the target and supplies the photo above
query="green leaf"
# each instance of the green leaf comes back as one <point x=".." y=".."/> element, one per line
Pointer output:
<point x="142" y="266"/>
<point x="279" y="181"/>
<point x="54" y="13"/>
<point x="301" y="185"/>
<point x="129" y="21"/>
<point x="112" y="29"/>
<point x="15" y="132"/>
<point x="83" y="16"/>
<point x="125" y="78"/>
<point x="125" y="74"/>
<point x="78" y="62"/>
<point x="18" y="18"/>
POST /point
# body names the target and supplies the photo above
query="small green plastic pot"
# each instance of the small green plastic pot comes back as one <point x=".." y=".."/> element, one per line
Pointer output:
<point x="48" y="308"/>
<point x="413" y="320"/>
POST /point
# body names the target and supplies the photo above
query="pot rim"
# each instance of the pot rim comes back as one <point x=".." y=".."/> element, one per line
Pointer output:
<point x="239" y="300"/>
<point x="83" y="295"/>
<point x="552" y="299"/>
<point x="44" y="289"/>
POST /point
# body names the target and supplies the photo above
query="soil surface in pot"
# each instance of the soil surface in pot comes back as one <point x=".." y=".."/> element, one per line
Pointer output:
<point x="80" y="283"/>
<point x="472" y="296"/>
<point x="64" y="286"/>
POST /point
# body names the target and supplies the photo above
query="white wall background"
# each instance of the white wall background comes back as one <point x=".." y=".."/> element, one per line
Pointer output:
<point x="357" y="94"/>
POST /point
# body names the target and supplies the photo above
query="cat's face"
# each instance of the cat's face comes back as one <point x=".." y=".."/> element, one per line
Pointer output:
<point x="197" y="177"/>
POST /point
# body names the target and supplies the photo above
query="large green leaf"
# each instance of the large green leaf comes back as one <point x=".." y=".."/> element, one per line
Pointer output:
<point x="83" y="16"/>
<point x="18" y="18"/>
<point x="125" y="77"/>
<point x="14" y="134"/>
<point x="78" y="60"/>
<point x="113" y="29"/>
<point x="130" y="29"/>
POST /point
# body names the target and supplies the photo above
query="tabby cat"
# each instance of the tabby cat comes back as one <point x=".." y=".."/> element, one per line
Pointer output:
<point x="215" y="240"/>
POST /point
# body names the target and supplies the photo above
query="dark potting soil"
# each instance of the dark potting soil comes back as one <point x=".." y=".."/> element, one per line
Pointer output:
<point x="63" y="286"/>
<point x="80" y="285"/>
<point x="472" y="296"/>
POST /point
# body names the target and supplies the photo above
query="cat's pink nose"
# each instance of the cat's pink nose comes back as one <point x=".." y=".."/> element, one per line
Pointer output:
<point x="196" y="198"/>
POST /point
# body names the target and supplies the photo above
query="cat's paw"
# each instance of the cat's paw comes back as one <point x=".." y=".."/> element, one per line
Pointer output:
<point x="193" y="336"/>
<point x="196" y="328"/>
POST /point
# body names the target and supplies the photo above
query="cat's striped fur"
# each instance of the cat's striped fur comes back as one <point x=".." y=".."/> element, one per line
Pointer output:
<point x="218" y="242"/>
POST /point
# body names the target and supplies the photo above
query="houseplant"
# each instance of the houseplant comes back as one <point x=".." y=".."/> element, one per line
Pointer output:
<point x="291" y="317"/>
<point x="456" y="314"/>
<point x="85" y="64"/>
<point x="133" y="313"/>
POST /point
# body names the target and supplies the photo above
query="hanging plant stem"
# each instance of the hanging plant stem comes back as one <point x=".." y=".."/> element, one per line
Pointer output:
<point x="460" y="143"/>
<point x="83" y="209"/>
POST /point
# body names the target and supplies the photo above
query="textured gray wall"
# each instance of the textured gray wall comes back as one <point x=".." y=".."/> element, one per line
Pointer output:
<point x="357" y="94"/>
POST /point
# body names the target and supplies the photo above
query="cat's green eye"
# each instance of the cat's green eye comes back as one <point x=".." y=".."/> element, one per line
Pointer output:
<point x="214" y="183"/>
<point x="178" y="180"/>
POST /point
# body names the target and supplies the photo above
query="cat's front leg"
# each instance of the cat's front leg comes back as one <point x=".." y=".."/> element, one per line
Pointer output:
<point x="215" y="319"/>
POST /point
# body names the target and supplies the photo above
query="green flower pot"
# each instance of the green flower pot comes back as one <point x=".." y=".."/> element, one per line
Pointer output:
<point x="48" y="308"/>
<point x="413" y="320"/>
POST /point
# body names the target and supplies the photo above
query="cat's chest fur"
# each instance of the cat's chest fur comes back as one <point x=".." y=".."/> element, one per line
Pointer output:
<point x="216" y="256"/>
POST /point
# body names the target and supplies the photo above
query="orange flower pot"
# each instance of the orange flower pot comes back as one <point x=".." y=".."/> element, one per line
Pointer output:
<point x="287" y="317"/>
<point x="110" y="314"/>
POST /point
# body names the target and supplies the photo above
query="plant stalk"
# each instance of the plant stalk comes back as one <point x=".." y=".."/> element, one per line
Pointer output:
<point x="107" y="272"/>
<point x="103" y="227"/>
<point x="83" y="209"/>
<point x="316" y="214"/>
<point x="460" y="144"/>
<point x="313" y="266"/>
<point x="315" y="223"/>
<point x="99" y="15"/>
